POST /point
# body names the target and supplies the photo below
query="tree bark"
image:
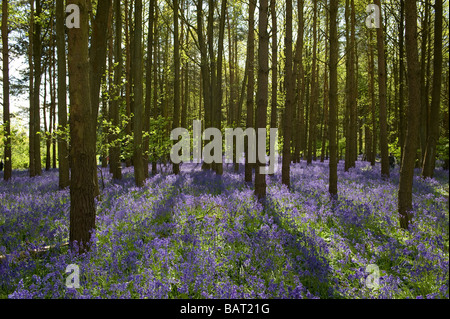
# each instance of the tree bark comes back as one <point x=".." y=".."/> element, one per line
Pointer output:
<point x="63" y="152"/>
<point x="333" y="96"/>
<point x="298" y="71"/>
<point x="382" y="99"/>
<point x="262" y="92"/>
<point x="37" y="53"/>
<point x="250" y="85"/>
<point x="289" y="82"/>
<point x="176" y="89"/>
<point x="412" y="133"/>
<point x="433" y="137"/>
<point x="6" y="117"/>
<point x="82" y="185"/>
<point x="312" y="106"/>
<point x="273" y="115"/>
<point x="148" y="89"/>
<point x="138" y="97"/>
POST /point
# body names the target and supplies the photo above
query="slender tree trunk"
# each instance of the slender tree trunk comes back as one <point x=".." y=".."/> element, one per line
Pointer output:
<point x="176" y="89"/>
<point x="114" y="159"/>
<point x="31" y="134"/>
<point x="37" y="53"/>
<point x="298" y="71"/>
<point x="148" y="89"/>
<point x="412" y="133"/>
<point x="128" y="130"/>
<point x="273" y="13"/>
<point x="63" y="152"/>
<point x="401" y="111"/>
<point x="138" y="97"/>
<point x="382" y="100"/>
<point x="433" y="137"/>
<point x="312" y="107"/>
<point x="262" y="92"/>
<point x="333" y="96"/>
<point x="250" y="86"/>
<point x="325" y="99"/>
<point x="53" y="99"/>
<point x="423" y="87"/>
<point x="289" y="80"/>
<point x="82" y="186"/>
<point x="156" y="63"/>
<point x="6" y="116"/>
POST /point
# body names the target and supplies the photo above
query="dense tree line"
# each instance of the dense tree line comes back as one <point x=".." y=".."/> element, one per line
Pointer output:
<point x="315" y="69"/>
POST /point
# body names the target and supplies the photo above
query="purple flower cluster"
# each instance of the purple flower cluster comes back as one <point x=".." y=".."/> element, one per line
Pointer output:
<point x="199" y="235"/>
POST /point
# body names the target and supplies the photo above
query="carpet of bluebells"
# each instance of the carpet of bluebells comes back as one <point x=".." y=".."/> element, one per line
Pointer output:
<point x="198" y="235"/>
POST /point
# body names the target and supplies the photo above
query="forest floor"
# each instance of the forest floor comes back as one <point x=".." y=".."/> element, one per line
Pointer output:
<point x="200" y="236"/>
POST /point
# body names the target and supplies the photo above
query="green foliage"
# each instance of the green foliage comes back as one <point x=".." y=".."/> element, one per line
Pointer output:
<point x="395" y="149"/>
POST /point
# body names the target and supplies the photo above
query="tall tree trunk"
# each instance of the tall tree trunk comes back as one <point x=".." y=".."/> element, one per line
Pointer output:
<point x="250" y="86"/>
<point x="289" y="81"/>
<point x="97" y="67"/>
<point x="156" y="66"/>
<point x="401" y="70"/>
<point x="114" y="113"/>
<point x="312" y="107"/>
<point x="148" y="89"/>
<point x="31" y="134"/>
<point x="412" y="133"/>
<point x="176" y="88"/>
<point x="430" y="153"/>
<point x="128" y="129"/>
<point x="333" y="96"/>
<point x="63" y="151"/>
<point x="382" y="100"/>
<point x="298" y="71"/>
<point x="37" y="53"/>
<point x="218" y="94"/>
<point x="423" y="86"/>
<point x="6" y="117"/>
<point x="351" y="125"/>
<point x="372" y="100"/>
<point x="273" y="13"/>
<point x="325" y="99"/>
<point x="138" y="96"/>
<point x="262" y="92"/>
<point x="53" y="100"/>
<point x="82" y="185"/>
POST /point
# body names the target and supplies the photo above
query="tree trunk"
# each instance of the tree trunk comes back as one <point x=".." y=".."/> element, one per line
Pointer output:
<point x="250" y="85"/>
<point x="6" y="118"/>
<point x="290" y="83"/>
<point x="128" y="130"/>
<point x="412" y="133"/>
<point x="82" y="185"/>
<point x="156" y="66"/>
<point x="63" y="152"/>
<point x="423" y="86"/>
<point x="37" y="53"/>
<point x="312" y="107"/>
<point x="325" y="99"/>
<point x="138" y="96"/>
<point x="176" y="88"/>
<point x="298" y="71"/>
<point x="382" y="100"/>
<point x="433" y="137"/>
<point x="262" y="92"/>
<point x="333" y="96"/>
<point x="273" y="13"/>
<point x="401" y="70"/>
<point x="31" y="134"/>
<point x="114" y="113"/>
<point x="148" y="89"/>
